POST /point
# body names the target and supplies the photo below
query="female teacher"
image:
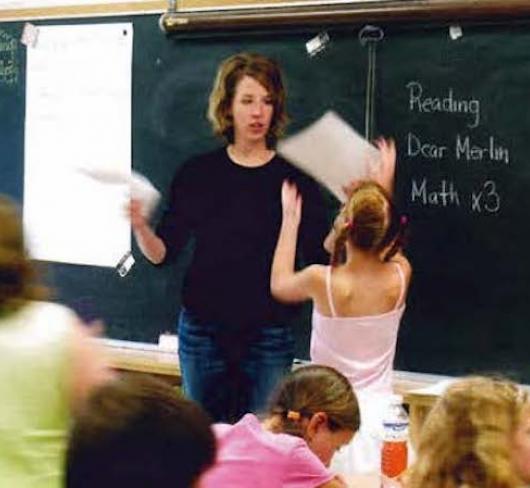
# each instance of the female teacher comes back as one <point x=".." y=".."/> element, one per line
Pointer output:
<point x="235" y="340"/>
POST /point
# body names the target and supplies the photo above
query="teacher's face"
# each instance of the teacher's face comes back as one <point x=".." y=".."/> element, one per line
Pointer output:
<point x="252" y="111"/>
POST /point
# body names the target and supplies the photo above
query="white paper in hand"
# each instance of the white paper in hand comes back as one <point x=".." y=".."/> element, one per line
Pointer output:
<point x="142" y="189"/>
<point x="332" y="152"/>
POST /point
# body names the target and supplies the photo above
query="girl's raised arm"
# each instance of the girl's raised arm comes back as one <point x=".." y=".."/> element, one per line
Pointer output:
<point x="386" y="173"/>
<point x="288" y="285"/>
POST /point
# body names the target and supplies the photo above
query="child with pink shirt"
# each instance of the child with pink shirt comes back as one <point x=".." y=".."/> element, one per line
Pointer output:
<point x="358" y="301"/>
<point x="312" y="413"/>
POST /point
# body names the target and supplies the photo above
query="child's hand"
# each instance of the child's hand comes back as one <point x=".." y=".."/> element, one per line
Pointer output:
<point x="350" y="188"/>
<point x="385" y="177"/>
<point x="291" y="203"/>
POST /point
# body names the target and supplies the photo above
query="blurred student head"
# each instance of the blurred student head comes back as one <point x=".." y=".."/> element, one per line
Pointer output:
<point x="318" y="404"/>
<point x="137" y="432"/>
<point x="49" y="364"/>
<point x="18" y="283"/>
<point x="476" y="436"/>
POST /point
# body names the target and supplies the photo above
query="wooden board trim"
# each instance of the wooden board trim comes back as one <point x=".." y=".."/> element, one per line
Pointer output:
<point x="395" y="11"/>
<point x="93" y="10"/>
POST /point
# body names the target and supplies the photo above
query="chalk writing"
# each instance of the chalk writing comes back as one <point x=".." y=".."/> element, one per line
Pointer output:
<point x="428" y="150"/>
<point x="419" y="102"/>
<point x="442" y="195"/>
<point x="492" y="151"/>
<point x="9" y="66"/>
<point x="487" y="199"/>
<point x="468" y="149"/>
<point x="464" y="149"/>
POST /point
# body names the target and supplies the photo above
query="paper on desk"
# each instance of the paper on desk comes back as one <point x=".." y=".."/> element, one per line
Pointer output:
<point x="141" y="188"/>
<point x="332" y="152"/>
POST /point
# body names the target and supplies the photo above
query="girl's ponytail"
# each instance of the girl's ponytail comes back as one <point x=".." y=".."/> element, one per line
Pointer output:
<point x="339" y="248"/>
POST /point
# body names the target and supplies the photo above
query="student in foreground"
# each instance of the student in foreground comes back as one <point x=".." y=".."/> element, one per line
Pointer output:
<point x="312" y="413"/>
<point x="48" y="366"/>
<point x="137" y="432"/>
<point x="358" y="300"/>
<point x="476" y="436"/>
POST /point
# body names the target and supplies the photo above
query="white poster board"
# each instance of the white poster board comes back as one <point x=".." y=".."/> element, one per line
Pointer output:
<point x="78" y="118"/>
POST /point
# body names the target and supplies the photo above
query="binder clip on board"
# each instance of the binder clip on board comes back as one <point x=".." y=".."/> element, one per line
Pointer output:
<point x="125" y="264"/>
<point x="317" y="44"/>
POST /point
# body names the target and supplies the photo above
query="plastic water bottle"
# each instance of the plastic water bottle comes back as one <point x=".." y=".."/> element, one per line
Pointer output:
<point x="394" y="455"/>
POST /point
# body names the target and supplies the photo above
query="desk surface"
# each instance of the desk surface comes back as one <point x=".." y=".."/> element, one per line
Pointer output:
<point x="148" y="358"/>
<point x="144" y="361"/>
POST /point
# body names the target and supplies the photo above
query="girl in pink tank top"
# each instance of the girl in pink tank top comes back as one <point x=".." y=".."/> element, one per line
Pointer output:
<point x="359" y="300"/>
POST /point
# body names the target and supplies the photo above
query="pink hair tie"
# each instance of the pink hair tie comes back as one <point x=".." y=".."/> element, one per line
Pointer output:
<point x="403" y="220"/>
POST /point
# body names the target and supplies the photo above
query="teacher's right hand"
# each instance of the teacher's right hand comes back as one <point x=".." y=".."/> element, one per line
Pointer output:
<point x="136" y="215"/>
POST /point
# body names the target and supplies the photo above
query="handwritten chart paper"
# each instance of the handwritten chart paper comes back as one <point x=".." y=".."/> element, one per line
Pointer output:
<point x="78" y="117"/>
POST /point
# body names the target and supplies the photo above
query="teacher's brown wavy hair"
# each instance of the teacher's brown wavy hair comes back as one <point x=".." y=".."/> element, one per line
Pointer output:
<point x="264" y="70"/>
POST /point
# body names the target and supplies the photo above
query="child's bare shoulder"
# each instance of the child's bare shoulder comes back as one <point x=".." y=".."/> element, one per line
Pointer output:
<point x="403" y="262"/>
<point x="317" y="272"/>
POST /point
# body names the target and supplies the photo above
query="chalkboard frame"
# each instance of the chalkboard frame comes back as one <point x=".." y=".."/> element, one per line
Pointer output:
<point x="321" y="15"/>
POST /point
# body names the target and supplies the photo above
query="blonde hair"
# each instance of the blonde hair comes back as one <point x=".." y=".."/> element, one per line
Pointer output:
<point x="312" y="389"/>
<point x="466" y="439"/>
<point x="370" y="222"/>
<point x="17" y="274"/>
<point x="264" y="70"/>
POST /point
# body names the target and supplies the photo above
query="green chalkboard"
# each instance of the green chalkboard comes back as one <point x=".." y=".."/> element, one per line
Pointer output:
<point x="457" y="110"/>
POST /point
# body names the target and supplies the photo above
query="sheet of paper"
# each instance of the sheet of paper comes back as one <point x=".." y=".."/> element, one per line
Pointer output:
<point x="78" y="115"/>
<point x="140" y="187"/>
<point x="332" y="152"/>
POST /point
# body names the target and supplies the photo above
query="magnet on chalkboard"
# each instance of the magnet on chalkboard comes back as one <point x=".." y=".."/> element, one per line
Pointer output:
<point x="455" y="32"/>
<point x="125" y="264"/>
<point x="30" y="35"/>
<point x="317" y="44"/>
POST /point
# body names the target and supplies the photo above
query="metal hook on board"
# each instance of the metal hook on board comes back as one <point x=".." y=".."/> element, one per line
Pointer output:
<point x="369" y="36"/>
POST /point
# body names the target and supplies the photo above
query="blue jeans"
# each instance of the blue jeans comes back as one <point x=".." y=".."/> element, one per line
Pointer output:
<point x="231" y="374"/>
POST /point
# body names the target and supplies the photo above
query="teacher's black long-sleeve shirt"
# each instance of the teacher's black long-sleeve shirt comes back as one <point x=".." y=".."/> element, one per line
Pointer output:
<point x="234" y="213"/>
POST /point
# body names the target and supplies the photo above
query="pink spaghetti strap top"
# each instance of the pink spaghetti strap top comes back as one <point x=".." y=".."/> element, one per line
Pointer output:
<point x="362" y="348"/>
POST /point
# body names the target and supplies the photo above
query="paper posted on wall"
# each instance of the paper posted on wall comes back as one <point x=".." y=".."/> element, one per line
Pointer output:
<point x="332" y="152"/>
